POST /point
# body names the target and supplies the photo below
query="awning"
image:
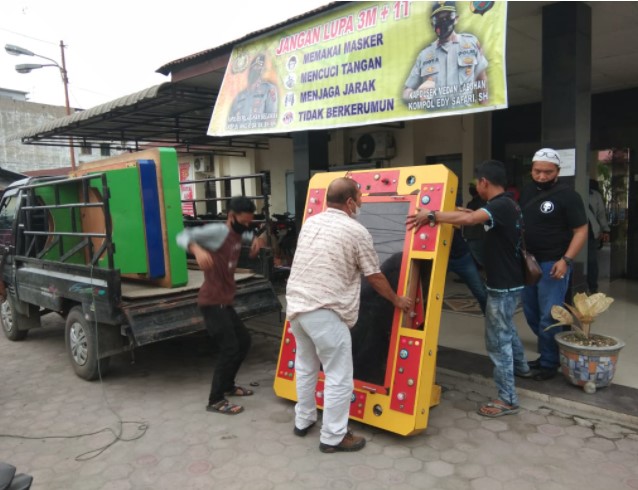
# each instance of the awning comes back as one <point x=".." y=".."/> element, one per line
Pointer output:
<point x="169" y="114"/>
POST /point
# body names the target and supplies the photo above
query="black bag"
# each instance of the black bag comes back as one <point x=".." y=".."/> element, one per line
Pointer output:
<point x="531" y="269"/>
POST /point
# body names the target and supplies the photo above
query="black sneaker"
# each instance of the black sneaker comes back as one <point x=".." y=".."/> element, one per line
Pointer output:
<point x="536" y="364"/>
<point x="348" y="444"/>
<point x="543" y="374"/>
<point x="303" y="432"/>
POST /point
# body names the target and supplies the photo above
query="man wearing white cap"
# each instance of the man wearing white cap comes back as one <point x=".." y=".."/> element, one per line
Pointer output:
<point x="555" y="232"/>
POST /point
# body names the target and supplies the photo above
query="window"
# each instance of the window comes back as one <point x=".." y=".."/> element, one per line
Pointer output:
<point x="86" y="149"/>
<point x="7" y="216"/>
<point x="105" y="150"/>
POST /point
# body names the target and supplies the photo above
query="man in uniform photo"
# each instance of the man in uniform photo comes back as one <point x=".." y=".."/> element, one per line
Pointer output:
<point x="445" y="72"/>
<point x="257" y="105"/>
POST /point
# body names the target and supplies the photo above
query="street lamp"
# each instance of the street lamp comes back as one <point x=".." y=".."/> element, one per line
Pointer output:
<point x="28" y="67"/>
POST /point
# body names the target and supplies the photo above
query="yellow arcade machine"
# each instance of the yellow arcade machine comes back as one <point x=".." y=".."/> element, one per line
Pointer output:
<point x="394" y="354"/>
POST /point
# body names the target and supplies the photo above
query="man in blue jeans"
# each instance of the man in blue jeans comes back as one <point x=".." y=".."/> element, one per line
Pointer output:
<point x="504" y="271"/>
<point x="462" y="263"/>
<point x="555" y="232"/>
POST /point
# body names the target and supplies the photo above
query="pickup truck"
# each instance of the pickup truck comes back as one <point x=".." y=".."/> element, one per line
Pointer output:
<point x="71" y="246"/>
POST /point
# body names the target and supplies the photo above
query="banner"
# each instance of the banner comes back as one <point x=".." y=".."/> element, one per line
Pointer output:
<point x="186" y="190"/>
<point x="367" y="63"/>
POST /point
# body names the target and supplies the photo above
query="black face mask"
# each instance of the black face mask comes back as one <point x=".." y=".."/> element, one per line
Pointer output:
<point x="238" y="227"/>
<point x="545" y="186"/>
<point x="443" y="26"/>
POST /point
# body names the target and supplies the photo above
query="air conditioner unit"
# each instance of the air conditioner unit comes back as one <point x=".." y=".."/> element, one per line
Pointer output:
<point x="201" y="164"/>
<point x="375" y="146"/>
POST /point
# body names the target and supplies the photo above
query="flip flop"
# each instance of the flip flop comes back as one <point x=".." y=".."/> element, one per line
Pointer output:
<point x="239" y="391"/>
<point x="497" y="408"/>
<point x="225" y="407"/>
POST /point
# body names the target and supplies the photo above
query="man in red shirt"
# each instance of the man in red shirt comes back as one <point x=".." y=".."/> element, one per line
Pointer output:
<point x="216" y="248"/>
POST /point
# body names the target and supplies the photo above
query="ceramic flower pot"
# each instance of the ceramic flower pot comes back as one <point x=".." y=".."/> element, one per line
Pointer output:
<point x="590" y="367"/>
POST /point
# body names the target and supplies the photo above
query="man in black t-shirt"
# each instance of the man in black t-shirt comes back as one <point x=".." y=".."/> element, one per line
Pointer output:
<point x="504" y="271"/>
<point x="555" y="232"/>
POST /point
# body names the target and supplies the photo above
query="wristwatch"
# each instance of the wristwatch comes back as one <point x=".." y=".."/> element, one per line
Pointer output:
<point x="568" y="261"/>
<point x="432" y="217"/>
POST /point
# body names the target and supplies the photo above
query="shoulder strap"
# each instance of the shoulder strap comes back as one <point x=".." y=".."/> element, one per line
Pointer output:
<point x="544" y="195"/>
<point x="520" y="214"/>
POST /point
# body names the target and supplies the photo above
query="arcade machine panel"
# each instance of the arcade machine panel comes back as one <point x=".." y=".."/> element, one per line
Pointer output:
<point x="394" y="354"/>
<point x="146" y="215"/>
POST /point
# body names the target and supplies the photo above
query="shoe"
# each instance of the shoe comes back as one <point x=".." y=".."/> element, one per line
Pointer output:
<point x="536" y="364"/>
<point x="224" y="407"/>
<point x="302" y="432"/>
<point x="348" y="444"/>
<point x="543" y="374"/>
<point x="527" y="374"/>
<point x="498" y="408"/>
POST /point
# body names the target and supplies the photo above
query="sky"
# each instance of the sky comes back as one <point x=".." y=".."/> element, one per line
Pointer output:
<point x="113" y="48"/>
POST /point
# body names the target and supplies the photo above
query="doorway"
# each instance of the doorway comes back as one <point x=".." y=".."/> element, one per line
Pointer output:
<point x="612" y="172"/>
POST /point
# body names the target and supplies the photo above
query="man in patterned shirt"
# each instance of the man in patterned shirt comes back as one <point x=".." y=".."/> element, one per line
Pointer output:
<point x="322" y="304"/>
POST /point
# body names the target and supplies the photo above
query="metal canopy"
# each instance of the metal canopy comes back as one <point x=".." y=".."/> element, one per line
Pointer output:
<point x="169" y="114"/>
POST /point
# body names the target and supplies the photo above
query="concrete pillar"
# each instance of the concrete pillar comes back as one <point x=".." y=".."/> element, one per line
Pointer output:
<point x="310" y="153"/>
<point x="566" y="86"/>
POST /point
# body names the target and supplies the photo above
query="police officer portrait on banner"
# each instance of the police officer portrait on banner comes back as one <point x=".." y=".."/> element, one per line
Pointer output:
<point x="451" y="72"/>
<point x="256" y="106"/>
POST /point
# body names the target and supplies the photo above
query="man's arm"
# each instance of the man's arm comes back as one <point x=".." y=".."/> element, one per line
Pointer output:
<point x="579" y="239"/>
<point x="202" y="256"/>
<point x="381" y="285"/>
<point x="258" y="243"/>
<point x="461" y="218"/>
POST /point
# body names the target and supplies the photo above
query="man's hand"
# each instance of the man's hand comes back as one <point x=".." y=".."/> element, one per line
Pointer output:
<point x="258" y="243"/>
<point x="404" y="303"/>
<point x="417" y="219"/>
<point x="559" y="270"/>
<point x="202" y="256"/>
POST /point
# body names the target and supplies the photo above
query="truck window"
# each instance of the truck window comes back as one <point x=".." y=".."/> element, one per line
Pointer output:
<point x="7" y="217"/>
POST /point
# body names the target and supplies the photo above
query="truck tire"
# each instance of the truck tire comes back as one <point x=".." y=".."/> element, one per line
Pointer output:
<point x="16" y="325"/>
<point x="82" y="346"/>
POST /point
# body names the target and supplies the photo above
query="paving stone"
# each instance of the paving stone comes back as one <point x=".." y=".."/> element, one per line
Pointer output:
<point x="439" y="469"/>
<point x="453" y="456"/>
<point x="423" y="480"/>
<point x="187" y="447"/>
<point x="540" y="439"/>
<point x="408" y="465"/>
<point x="471" y="471"/>
<point x="486" y="483"/>
<point x="600" y="444"/>
<point x="579" y="431"/>
<point x="591" y="455"/>
<point x="426" y="453"/>
<point x="500" y="472"/>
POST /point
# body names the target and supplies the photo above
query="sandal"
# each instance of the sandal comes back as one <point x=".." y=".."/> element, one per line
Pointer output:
<point x="239" y="391"/>
<point x="225" y="407"/>
<point x="498" y="408"/>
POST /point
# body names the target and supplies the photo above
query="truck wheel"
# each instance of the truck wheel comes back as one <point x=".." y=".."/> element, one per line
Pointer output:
<point x="81" y="344"/>
<point x="16" y="325"/>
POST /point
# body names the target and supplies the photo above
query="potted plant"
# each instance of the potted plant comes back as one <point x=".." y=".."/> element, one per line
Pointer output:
<point x="586" y="359"/>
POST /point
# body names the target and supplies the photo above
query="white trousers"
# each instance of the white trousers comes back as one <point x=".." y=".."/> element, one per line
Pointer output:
<point x="323" y="340"/>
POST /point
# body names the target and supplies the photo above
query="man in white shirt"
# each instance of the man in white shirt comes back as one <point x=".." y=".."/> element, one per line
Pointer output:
<point x="322" y="304"/>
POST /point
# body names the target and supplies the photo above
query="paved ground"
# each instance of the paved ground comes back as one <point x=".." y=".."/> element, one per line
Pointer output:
<point x="177" y="444"/>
